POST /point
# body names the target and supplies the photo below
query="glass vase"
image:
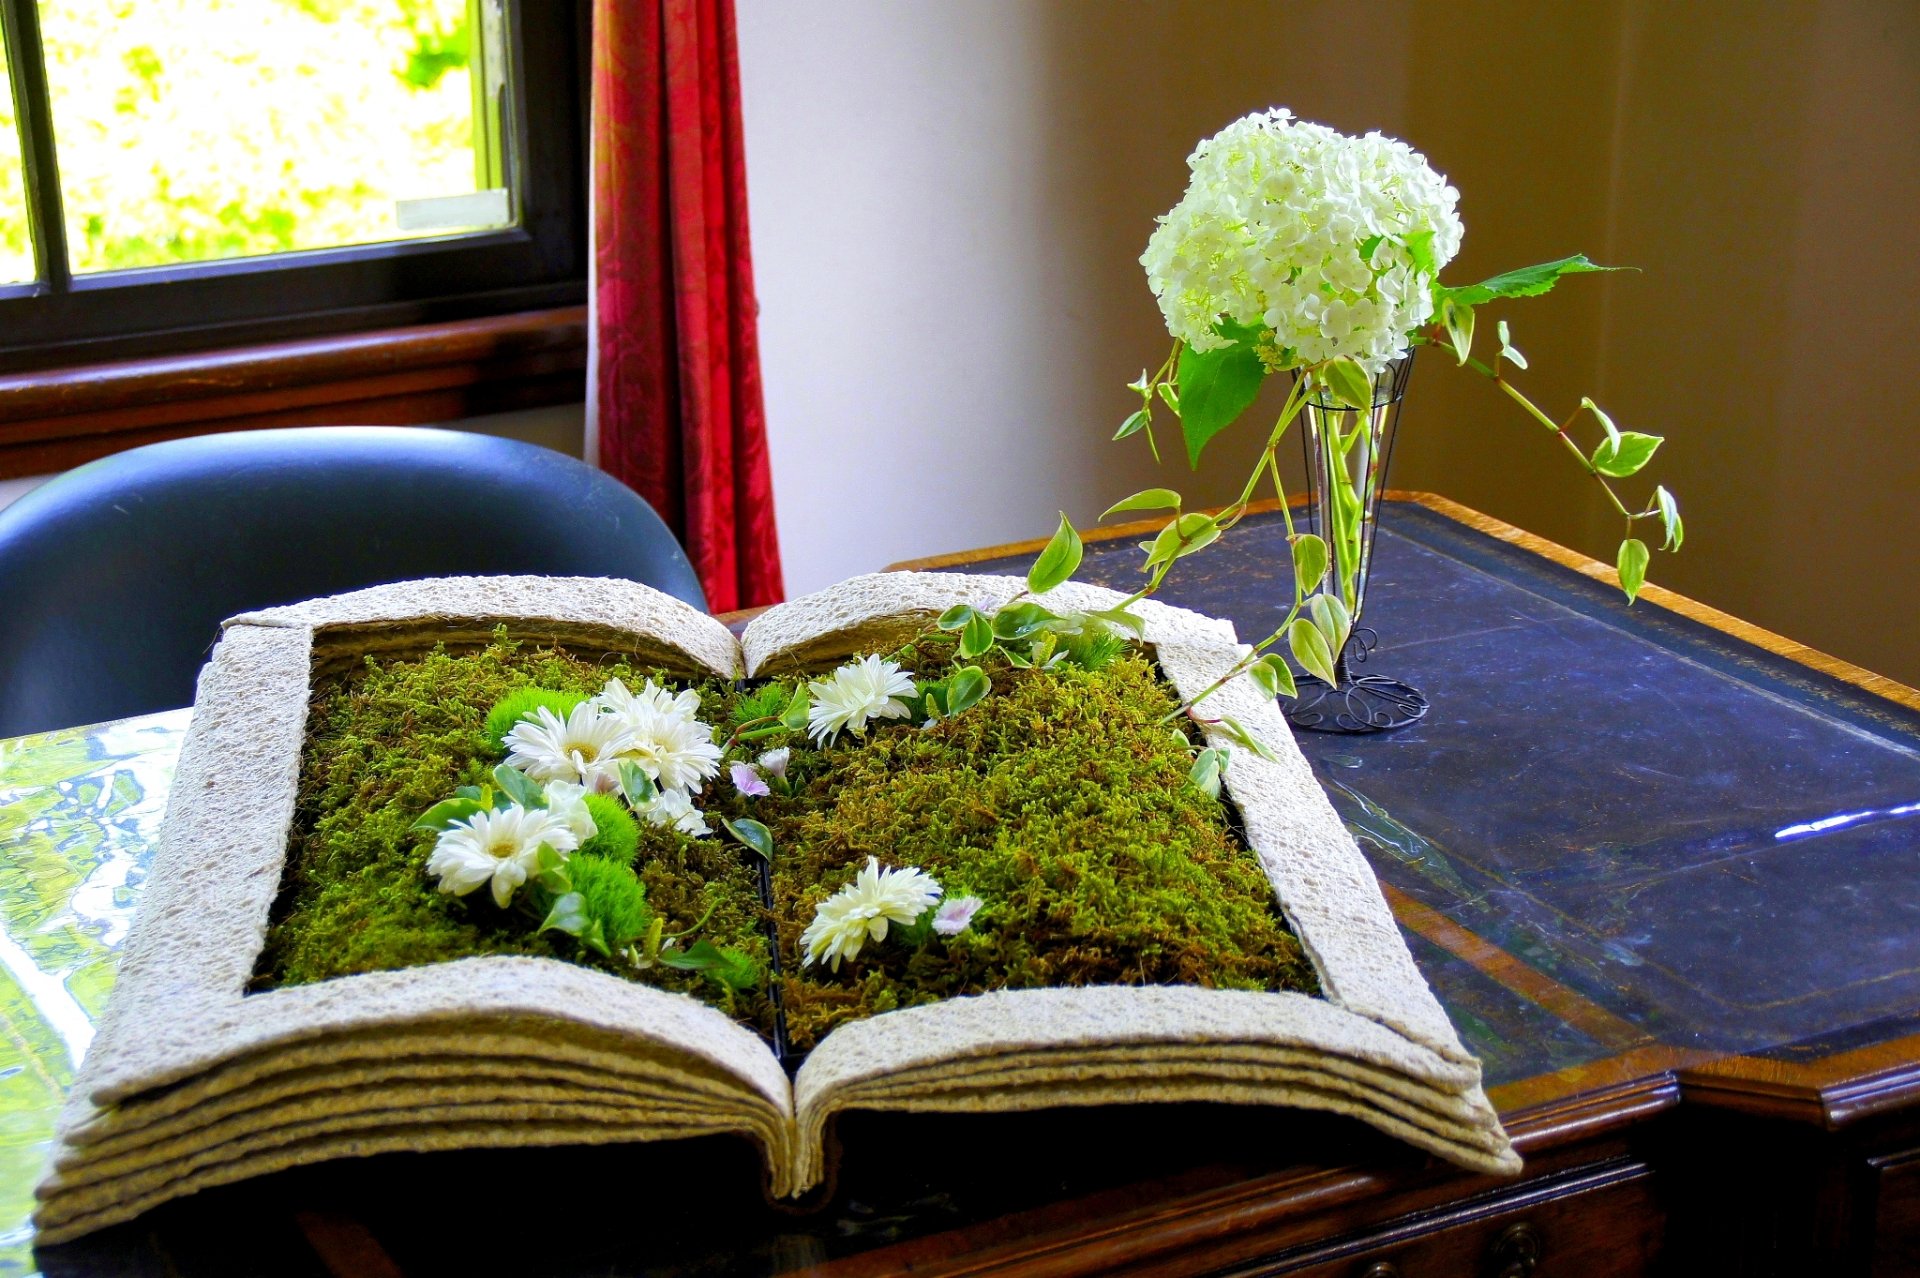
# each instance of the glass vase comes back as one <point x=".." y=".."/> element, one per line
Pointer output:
<point x="1347" y="453"/>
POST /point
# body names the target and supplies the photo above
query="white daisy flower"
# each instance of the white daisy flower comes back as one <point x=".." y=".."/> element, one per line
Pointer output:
<point x="584" y="747"/>
<point x="856" y="692"/>
<point x="677" y="752"/>
<point x="567" y="801"/>
<point x="674" y="808"/>
<point x="861" y="911"/>
<point x="651" y="698"/>
<point x="498" y="846"/>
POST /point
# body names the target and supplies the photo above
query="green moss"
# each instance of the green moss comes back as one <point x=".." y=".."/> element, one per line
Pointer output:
<point x="616" y="834"/>
<point x="614" y="896"/>
<point x="1063" y="803"/>
<point x="1060" y="800"/>
<point x="395" y="736"/>
<point x="520" y="704"/>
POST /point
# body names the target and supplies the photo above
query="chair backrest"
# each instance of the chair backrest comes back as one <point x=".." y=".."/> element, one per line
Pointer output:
<point x="114" y="577"/>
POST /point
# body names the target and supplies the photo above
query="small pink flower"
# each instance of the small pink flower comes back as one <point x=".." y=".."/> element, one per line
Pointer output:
<point x="954" y="914"/>
<point x="747" y="781"/>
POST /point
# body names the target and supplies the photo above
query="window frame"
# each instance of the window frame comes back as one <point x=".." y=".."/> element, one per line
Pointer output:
<point x="62" y="319"/>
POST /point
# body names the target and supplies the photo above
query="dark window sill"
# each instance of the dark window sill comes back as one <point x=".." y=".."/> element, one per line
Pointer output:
<point x="57" y="419"/>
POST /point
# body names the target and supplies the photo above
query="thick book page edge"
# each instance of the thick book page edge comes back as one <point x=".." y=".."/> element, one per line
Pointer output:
<point x="308" y="1087"/>
<point x="421" y="1138"/>
<point x="255" y="1081"/>
<point x="1496" y="1158"/>
<point x="654" y="624"/>
<point x="456" y="1096"/>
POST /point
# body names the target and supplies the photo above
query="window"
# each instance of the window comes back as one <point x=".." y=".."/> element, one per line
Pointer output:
<point x="177" y="174"/>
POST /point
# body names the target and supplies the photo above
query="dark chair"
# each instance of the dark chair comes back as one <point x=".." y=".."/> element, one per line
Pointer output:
<point x="114" y="577"/>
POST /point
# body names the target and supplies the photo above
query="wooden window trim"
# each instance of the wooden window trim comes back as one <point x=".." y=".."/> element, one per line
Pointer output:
<point x="57" y="419"/>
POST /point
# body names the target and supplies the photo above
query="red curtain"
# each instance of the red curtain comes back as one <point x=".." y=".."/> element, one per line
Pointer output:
<point x="678" y="411"/>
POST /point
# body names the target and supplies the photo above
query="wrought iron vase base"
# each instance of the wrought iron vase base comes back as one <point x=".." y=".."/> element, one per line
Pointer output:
<point x="1361" y="704"/>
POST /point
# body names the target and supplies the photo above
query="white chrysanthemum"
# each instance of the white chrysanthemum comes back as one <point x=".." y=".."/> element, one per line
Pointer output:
<point x="651" y="697"/>
<point x="856" y="692"/>
<point x="499" y="846"/>
<point x="664" y="735"/>
<point x="1305" y="233"/>
<point x="567" y="801"/>
<point x="860" y="912"/>
<point x="584" y="747"/>
<point x="674" y="808"/>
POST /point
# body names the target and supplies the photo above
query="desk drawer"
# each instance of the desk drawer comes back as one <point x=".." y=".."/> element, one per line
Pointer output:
<point x="1595" y="1223"/>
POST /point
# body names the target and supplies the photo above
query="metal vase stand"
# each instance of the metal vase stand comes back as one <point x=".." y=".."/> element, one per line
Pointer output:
<point x="1344" y="441"/>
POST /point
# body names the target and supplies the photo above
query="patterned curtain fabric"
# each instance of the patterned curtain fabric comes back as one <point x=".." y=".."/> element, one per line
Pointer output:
<point x="676" y="383"/>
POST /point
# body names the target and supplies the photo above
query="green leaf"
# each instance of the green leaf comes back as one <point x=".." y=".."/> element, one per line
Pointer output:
<point x="569" y="915"/>
<point x="794" y="717"/>
<point x="750" y="832"/>
<point x="1145" y="499"/>
<point x="976" y="638"/>
<point x="1669" y="520"/>
<point x="1309" y="561"/>
<point x="965" y="687"/>
<point x="1122" y="618"/>
<point x="636" y="784"/>
<point x="1058" y="561"/>
<point x="726" y="967"/>
<point x="520" y="787"/>
<point x="1331" y="619"/>
<point x="956" y="617"/>
<point x="1207" y="768"/>
<point x="1368" y="245"/>
<point x="448" y="813"/>
<point x="1347" y="383"/>
<point x="1507" y="352"/>
<point x="1310" y="650"/>
<point x="483" y="795"/>
<point x="1420" y="252"/>
<point x="1624" y="455"/>
<point x="1021" y="620"/>
<point x="1016" y="658"/>
<point x="550" y="869"/>
<point x="1458" y="317"/>
<point x="1170" y="395"/>
<point x="1182" y="537"/>
<point x="1138" y="421"/>
<point x="1606" y="422"/>
<point x="1528" y="281"/>
<point x="1238" y="734"/>
<point x="1274" y="677"/>
<point x="1633" y="567"/>
<point x="1216" y="386"/>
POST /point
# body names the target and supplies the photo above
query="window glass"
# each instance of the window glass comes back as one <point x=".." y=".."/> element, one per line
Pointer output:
<point x="16" y="237"/>
<point x="190" y="130"/>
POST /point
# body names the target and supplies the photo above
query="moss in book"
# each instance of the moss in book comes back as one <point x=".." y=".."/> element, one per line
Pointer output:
<point x="1063" y="803"/>
<point x="393" y="737"/>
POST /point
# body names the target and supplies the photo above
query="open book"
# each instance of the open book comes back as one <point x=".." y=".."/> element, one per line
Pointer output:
<point x="194" y="1081"/>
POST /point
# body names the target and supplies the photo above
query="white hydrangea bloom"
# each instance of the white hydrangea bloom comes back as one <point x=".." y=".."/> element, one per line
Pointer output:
<point x="1307" y="234"/>
<point x="674" y="808"/>
<point x="861" y="911"/>
<point x="498" y="847"/>
<point x="856" y="692"/>
<point x="584" y="747"/>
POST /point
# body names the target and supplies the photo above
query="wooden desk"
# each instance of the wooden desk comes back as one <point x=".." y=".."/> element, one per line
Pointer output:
<point x="1660" y="867"/>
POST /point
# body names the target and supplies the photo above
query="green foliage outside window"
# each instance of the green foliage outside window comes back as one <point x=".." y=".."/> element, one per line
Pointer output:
<point x="198" y="129"/>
